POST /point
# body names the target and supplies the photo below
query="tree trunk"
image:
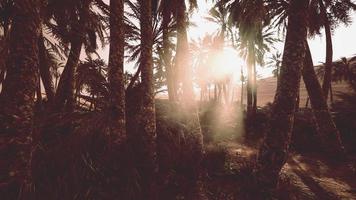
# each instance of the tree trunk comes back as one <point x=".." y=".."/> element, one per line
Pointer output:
<point x="39" y="92"/>
<point x="17" y="101"/>
<point x="254" y="106"/>
<point x="249" y="90"/>
<point x="189" y="107"/>
<point x="116" y="69"/>
<point x="168" y="54"/>
<point x="326" y="128"/>
<point x="148" y="119"/>
<point x="45" y="70"/>
<point x="274" y="149"/>
<point x="65" y="93"/>
<point x="329" y="51"/>
<point x="251" y="62"/>
<point x="182" y="59"/>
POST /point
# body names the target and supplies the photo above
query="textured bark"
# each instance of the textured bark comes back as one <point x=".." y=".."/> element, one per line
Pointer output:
<point x="65" y="93"/>
<point x="147" y="120"/>
<point x="17" y="101"/>
<point x="45" y="70"/>
<point x="116" y="69"/>
<point x="274" y="149"/>
<point x="329" y="50"/>
<point x="326" y="128"/>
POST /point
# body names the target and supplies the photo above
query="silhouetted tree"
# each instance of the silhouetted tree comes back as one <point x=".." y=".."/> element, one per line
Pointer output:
<point x="274" y="149"/>
<point x="116" y="68"/>
<point x="329" y="134"/>
<point x="17" y="101"/>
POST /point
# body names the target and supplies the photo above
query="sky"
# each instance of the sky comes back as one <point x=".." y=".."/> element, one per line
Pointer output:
<point x="344" y="44"/>
<point x="343" y="39"/>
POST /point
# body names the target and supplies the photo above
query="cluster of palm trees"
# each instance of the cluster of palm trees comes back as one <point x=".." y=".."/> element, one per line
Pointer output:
<point x="38" y="35"/>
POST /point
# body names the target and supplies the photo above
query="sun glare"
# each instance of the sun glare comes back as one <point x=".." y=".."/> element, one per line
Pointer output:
<point x="227" y="63"/>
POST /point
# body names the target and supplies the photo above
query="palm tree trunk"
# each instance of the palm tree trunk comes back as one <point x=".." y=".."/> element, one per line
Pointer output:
<point x="116" y="69"/>
<point x="273" y="152"/>
<point x="45" y="70"/>
<point x="65" y="92"/>
<point x="168" y="54"/>
<point x="249" y="90"/>
<point x="148" y="119"/>
<point x="326" y="128"/>
<point x="242" y="94"/>
<point x="254" y="106"/>
<point x="190" y="109"/>
<point x="329" y="51"/>
<point x="39" y="92"/>
<point x="17" y="101"/>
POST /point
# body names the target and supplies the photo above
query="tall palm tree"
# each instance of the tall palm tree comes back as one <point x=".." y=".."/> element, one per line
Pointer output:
<point x="314" y="25"/>
<point x="147" y="122"/>
<point x="188" y="98"/>
<point x="166" y="11"/>
<point x="252" y="37"/>
<point x="274" y="149"/>
<point x="116" y="67"/>
<point x="17" y="100"/>
<point x="331" y="13"/>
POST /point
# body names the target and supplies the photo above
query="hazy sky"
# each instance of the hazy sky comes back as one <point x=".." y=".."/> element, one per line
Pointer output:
<point x="343" y="37"/>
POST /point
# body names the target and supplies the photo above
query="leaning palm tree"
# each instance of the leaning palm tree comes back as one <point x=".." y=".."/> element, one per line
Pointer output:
<point x="75" y="23"/>
<point x="17" y="100"/>
<point x="328" y="126"/>
<point x="331" y="140"/>
<point x="331" y="14"/>
<point x="274" y="149"/>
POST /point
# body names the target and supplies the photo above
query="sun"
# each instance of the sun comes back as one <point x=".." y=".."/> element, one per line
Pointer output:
<point x="227" y="63"/>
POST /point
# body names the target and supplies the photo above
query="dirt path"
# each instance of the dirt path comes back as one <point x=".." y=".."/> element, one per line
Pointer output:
<point x="305" y="177"/>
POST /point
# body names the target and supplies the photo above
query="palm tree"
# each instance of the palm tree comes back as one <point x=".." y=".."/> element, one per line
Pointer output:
<point x="116" y="67"/>
<point x="274" y="149"/>
<point x="275" y="62"/>
<point x="330" y="136"/>
<point x="219" y="15"/>
<point x="254" y="41"/>
<point x="339" y="12"/>
<point x="346" y="71"/>
<point x="46" y="61"/>
<point x="91" y="76"/>
<point x="17" y="100"/>
<point x="75" y="23"/>
<point x="147" y="122"/>
<point x="166" y="11"/>
<point x="190" y="111"/>
<point x="279" y="10"/>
